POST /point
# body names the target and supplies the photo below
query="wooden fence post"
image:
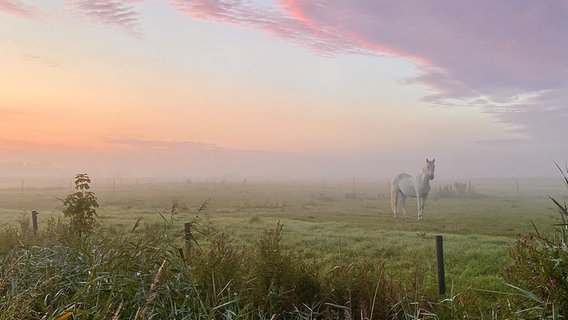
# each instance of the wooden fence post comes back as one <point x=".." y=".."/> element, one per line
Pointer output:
<point x="440" y="264"/>
<point x="34" y="221"/>
<point x="188" y="236"/>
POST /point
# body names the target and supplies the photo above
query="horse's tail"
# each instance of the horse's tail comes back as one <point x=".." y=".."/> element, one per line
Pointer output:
<point x="393" y="197"/>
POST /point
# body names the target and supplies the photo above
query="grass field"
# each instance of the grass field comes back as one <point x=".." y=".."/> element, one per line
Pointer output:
<point x="325" y="220"/>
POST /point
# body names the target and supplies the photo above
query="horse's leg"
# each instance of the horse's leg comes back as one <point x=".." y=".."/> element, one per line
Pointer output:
<point x="421" y="201"/>
<point x="394" y="201"/>
<point x="403" y="202"/>
<point x="423" y="205"/>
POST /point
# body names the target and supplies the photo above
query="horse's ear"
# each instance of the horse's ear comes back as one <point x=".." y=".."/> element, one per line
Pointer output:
<point x="433" y="160"/>
<point x="427" y="160"/>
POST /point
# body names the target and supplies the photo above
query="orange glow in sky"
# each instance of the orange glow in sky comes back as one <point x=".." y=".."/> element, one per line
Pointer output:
<point x="303" y="80"/>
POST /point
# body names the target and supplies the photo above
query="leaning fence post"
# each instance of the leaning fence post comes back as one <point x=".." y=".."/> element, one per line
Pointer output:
<point x="34" y="221"/>
<point x="440" y="264"/>
<point x="188" y="236"/>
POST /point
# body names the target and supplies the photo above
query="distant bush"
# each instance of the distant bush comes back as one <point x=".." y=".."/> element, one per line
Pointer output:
<point x="454" y="189"/>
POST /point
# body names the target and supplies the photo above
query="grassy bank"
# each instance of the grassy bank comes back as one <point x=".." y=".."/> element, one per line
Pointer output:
<point x="332" y="234"/>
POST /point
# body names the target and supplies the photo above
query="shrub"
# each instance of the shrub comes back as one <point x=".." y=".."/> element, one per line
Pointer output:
<point x="81" y="206"/>
<point x="539" y="270"/>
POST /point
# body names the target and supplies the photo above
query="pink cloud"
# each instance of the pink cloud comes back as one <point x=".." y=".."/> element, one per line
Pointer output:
<point x="17" y="8"/>
<point x="485" y="46"/>
<point x="119" y="13"/>
<point x="282" y="21"/>
<point x="464" y="50"/>
<point x="481" y="45"/>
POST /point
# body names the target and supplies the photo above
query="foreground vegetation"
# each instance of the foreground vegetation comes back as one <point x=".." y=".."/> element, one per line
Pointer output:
<point x="295" y="251"/>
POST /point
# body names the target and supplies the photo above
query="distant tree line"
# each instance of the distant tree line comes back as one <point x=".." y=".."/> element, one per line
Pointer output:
<point x="455" y="189"/>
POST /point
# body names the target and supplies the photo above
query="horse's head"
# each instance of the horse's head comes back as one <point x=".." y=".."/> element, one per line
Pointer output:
<point x="429" y="168"/>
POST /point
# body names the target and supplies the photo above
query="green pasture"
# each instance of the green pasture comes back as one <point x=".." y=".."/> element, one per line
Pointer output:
<point x="323" y="221"/>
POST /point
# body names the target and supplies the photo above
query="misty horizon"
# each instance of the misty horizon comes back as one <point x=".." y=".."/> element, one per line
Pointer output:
<point x="191" y="159"/>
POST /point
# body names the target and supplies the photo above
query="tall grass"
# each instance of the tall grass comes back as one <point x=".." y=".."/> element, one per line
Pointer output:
<point x="147" y="274"/>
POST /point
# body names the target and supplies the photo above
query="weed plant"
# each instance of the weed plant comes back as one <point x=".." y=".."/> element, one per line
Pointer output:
<point x="539" y="270"/>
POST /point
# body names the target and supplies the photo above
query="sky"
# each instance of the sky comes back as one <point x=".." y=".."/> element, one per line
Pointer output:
<point x="283" y="88"/>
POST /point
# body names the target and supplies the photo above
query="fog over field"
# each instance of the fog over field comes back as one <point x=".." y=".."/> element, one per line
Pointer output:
<point x="154" y="159"/>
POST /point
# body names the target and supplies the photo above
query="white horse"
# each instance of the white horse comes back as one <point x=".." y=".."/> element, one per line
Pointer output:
<point x="404" y="185"/>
